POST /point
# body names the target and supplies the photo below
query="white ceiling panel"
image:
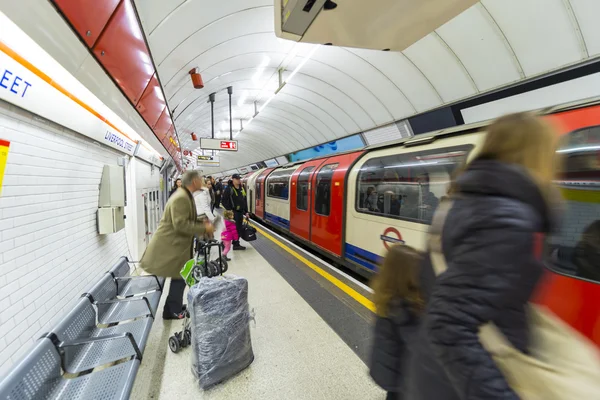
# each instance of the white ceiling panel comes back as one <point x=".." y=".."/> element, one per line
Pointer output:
<point x="587" y="13"/>
<point x="310" y="130"/>
<point x="311" y="108"/>
<point x="359" y="92"/>
<point x="441" y="66"/>
<point x="405" y="75"/>
<point x="365" y="75"/>
<point x="319" y="129"/>
<point x="178" y="75"/>
<point x="540" y="32"/>
<point x="196" y="16"/>
<point x="153" y="12"/>
<point x="480" y="45"/>
<point x="346" y="103"/>
<point x="329" y="106"/>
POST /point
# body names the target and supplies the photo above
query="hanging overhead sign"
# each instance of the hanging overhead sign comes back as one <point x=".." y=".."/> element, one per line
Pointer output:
<point x="218" y="144"/>
<point x="208" y="161"/>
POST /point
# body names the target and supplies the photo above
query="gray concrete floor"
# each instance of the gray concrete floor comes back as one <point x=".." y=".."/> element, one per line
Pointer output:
<point x="297" y="355"/>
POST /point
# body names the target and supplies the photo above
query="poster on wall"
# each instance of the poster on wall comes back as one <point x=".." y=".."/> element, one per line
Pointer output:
<point x="346" y="144"/>
<point x="4" y="146"/>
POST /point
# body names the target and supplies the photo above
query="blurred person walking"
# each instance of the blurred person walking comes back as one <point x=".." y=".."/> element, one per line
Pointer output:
<point x="171" y="246"/>
<point x="399" y="304"/>
<point x="497" y="208"/>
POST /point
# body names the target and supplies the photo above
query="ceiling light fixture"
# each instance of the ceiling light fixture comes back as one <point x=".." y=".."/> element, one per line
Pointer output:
<point x="243" y="99"/>
<point x="299" y="67"/>
<point x="261" y="69"/>
<point x="289" y="58"/>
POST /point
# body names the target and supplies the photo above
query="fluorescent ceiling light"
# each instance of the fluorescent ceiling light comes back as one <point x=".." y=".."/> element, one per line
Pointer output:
<point x="267" y="102"/>
<point x="299" y="67"/>
<point x="243" y="99"/>
<point x="261" y="69"/>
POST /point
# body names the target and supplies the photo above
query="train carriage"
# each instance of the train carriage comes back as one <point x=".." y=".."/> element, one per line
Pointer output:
<point x="352" y="207"/>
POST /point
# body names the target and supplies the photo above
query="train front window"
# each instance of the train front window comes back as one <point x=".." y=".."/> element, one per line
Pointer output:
<point x="408" y="186"/>
<point x="575" y="248"/>
<point x="302" y="189"/>
<point x="278" y="184"/>
<point x="323" y="189"/>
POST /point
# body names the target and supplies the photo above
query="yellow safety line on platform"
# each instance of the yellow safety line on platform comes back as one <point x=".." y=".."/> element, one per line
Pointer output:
<point x="338" y="283"/>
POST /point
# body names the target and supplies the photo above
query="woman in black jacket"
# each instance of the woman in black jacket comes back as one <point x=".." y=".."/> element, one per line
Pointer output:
<point x="500" y="206"/>
<point x="398" y="304"/>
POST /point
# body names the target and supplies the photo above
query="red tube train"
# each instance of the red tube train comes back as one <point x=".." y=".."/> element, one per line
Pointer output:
<point x="351" y="207"/>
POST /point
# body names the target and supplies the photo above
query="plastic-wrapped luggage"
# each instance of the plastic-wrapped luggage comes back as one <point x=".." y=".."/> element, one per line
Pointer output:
<point x="220" y="321"/>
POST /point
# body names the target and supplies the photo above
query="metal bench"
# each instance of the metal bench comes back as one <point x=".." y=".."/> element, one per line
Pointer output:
<point x="128" y="285"/>
<point x="80" y="326"/>
<point x="112" y="308"/>
<point x="38" y="376"/>
<point x="96" y="349"/>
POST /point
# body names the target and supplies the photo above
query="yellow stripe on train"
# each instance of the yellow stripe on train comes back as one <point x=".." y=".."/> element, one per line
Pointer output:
<point x="581" y="195"/>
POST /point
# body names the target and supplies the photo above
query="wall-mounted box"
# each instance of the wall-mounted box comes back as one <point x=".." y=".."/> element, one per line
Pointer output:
<point x="112" y="187"/>
<point x="110" y="220"/>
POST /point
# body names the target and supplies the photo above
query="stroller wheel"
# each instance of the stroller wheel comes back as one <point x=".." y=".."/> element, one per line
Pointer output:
<point x="224" y="265"/>
<point x="174" y="344"/>
<point x="215" y="268"/>
<point x="198" y="272"/>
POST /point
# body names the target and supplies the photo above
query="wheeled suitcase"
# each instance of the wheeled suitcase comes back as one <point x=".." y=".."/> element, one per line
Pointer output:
<point x="220" y="321"/>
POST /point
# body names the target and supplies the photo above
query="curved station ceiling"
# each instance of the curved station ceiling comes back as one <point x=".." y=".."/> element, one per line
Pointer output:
<point x="341" y="91"/>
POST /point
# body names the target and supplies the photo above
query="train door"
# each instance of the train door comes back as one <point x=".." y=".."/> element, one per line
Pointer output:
<point x="571" y="287"/>
<point x="328" y="187"/>
<point x="300" y="199"/>
<point x="260" y="193"/>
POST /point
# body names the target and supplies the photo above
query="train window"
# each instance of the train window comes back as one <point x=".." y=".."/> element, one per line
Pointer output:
<point x="302" y="189"/>
<point x="575" y="248"/>
<point x="278" y="184"/>
<point x="408" y="186"/>
<point x="323" y="189"/>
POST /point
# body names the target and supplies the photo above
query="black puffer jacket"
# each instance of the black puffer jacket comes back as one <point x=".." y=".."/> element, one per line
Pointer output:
<point x="392" y="342"/>
<point x="488" y="241"/>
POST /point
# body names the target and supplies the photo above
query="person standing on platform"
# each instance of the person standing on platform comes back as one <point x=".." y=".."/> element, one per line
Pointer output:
<point x="177" y="186"/>
<point x="218" y="193"/>
<point x="172" y="244"/>
<point x="234" y="199"/>
<point x="203" y="202"/>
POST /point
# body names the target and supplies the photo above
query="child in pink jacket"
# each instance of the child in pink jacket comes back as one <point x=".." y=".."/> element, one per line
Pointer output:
<point x="229" y="234"/>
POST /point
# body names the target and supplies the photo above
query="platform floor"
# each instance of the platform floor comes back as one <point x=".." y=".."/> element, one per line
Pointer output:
<point x="302" y="351"/>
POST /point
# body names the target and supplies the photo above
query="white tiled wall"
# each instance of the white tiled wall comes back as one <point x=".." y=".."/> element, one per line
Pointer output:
<point x="50" y="252"/>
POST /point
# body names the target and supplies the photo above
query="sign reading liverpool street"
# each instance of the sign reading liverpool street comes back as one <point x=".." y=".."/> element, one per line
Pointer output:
<point x="218" y="144"/>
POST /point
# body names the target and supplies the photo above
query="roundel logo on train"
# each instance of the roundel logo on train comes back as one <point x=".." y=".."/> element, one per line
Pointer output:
<point x="391" y="235"/>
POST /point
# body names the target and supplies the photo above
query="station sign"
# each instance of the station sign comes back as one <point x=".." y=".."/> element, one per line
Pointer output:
<point x="208" y="161"/>
<point x="218" y="144"/>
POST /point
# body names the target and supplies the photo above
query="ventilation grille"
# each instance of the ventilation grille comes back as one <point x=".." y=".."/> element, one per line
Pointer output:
<point x="388" y="133"/>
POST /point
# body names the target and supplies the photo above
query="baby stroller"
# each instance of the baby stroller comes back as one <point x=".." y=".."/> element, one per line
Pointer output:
<point x="199" y="266"/>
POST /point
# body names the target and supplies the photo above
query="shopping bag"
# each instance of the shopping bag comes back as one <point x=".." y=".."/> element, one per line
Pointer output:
<point x="562" y="365"/>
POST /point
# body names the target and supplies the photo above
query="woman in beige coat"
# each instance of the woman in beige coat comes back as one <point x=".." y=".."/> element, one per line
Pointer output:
<point x="171" y="246"/>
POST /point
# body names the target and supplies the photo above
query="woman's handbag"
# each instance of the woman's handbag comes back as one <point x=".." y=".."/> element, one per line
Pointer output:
<point x="563" y="364"/>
